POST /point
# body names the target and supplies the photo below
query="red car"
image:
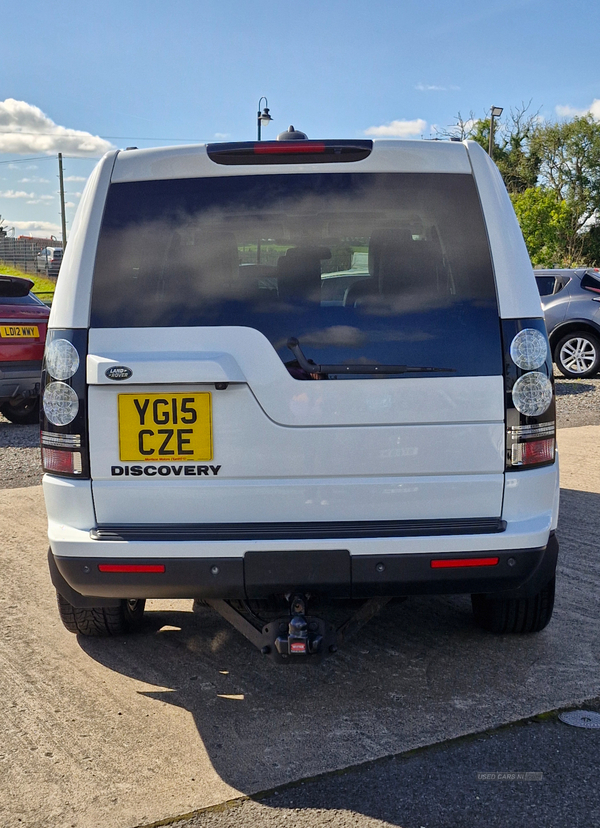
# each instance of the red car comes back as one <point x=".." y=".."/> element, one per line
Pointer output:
<point x="23" y="323"/>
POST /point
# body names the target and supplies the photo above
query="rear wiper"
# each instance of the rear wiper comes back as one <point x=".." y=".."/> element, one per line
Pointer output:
<point x="312" y="368"/>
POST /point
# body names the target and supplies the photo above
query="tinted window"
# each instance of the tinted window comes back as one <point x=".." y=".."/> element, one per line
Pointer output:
<point x="545" y="285"/>
<point x="361" y="268"/>
<point x="30" y="299"/>
<point x="591" y="281"/>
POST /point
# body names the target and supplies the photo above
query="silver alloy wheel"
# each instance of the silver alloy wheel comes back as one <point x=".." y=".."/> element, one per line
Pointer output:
<point x="578" y="354"/>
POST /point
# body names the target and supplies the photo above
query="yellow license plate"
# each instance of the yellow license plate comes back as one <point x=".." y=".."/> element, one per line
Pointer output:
<point x="19" y="332"/>
<point x="165" y="427"/>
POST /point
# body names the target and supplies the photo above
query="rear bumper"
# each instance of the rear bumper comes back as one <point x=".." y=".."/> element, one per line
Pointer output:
<point x="331" y="572"/>
<point x="19" y="379"/>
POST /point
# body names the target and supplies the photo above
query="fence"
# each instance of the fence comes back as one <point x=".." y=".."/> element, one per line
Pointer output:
<point x="22" y="253"/>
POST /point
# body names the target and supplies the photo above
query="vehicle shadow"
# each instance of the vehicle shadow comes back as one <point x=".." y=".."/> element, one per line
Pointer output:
<point x="417" y="674"/>
<point x="564" y="387"/>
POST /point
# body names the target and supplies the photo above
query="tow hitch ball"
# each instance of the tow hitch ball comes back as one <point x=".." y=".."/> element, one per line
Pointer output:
<point x="300" y="634"/>
<point x="303" y="637"/>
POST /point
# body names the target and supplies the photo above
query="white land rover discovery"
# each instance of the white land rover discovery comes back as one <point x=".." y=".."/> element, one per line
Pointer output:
<point x="293" y="368"/>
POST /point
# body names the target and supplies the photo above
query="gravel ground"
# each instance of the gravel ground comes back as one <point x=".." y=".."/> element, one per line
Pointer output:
<point x="577" y="404"/>
<point x="20" y="461"/>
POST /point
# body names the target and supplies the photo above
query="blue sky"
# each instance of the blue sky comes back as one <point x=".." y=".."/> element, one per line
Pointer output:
<point x="80" y="76"/>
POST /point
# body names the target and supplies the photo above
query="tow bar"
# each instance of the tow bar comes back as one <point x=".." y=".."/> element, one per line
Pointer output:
<point x="298" y="637"/>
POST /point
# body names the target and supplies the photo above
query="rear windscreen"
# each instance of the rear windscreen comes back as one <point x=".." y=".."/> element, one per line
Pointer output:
<point x="360" y="268"/>
<point x="30" y="299"/>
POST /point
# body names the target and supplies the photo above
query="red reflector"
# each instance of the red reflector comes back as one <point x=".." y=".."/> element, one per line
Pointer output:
<point x="288" y="147"/>
<point x="61" y="462"/>
<point x="537" y="451"/>
<point x="450" y="563"/>
<point x="297" y="647"/>
<point x="131" y="567"/>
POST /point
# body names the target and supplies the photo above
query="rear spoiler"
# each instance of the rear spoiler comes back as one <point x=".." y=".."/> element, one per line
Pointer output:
<point x="14" y="285"/>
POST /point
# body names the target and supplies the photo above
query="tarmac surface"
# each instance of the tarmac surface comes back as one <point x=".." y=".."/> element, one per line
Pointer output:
<point x="188" y="715"/>
<point x="538" y="773"/>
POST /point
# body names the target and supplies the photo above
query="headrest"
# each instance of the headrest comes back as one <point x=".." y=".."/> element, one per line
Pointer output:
<point x="401" y="263"/>
<point x="385" y="242"/>
<point x="299" y="273"/>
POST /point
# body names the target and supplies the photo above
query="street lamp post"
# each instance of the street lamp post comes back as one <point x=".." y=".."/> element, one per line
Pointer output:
<point x="495" y="112"/>
<point x="263" y="118"/>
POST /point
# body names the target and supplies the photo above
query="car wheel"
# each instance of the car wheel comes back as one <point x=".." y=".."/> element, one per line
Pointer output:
<point x="515" y="615"/>
<point x="101" y="621"/>
<point x="578" y="355"/>
<point x="26" y="412"/>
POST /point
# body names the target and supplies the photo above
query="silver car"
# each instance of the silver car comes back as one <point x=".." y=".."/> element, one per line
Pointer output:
<point x="571" y="303"/>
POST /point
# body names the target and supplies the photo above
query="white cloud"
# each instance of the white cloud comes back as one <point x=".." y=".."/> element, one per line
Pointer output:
<point x="398" y="129"/>
<point x="34" y="201"/>
<point x="595" y="109"/>
<point x="75" y="178"/>
<point x="431" y="87"/>
<point x="25" y="128"/>
<point x="34" y="180"/>
<point x="222" y="135"/>
<point x="15" y="194"/>
<point x="573" y="112"/>
<point x="35" y="228"/>
<point x="569" y="111"/>
<point x="70" y="204"/>
<point x="47" y="198"/>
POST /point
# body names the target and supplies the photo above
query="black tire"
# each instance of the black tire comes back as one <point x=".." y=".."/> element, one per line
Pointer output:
<point x="577" y="355"/>
<point x="101" y="621"/>
<point x="27" y="412"/>
<point x="515" y="615"/>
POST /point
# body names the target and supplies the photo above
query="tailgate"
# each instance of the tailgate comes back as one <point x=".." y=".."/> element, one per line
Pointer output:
<point x="213" y="429"/>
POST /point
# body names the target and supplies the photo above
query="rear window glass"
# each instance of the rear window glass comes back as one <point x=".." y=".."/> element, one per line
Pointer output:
<point x="545" y="285"/>
<point x="591" y="281"/>
<point x="30" y="299"/>
<point x="361" y="268"/>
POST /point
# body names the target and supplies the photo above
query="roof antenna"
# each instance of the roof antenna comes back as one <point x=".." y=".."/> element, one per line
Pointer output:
<point x="292" y="134"/>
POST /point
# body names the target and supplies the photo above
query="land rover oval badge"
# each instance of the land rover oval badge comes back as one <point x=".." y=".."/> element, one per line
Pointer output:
<point x="118" y="372"/>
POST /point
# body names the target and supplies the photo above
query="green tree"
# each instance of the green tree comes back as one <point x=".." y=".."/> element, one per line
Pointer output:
<point x="591" y="247"/>
<point x="569" y="155"/>
<point x="549" y="226"/>
<point x="513" y="150"/>
<point x="552" y="171"/>
<point x="516" y="153"/>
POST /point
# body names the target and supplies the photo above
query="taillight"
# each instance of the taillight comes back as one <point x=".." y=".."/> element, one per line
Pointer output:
<point x="60" y="461"/>
<point x="289" y="152"/>
<point x="529" y="394"/>
<point x="64" y="403"/>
